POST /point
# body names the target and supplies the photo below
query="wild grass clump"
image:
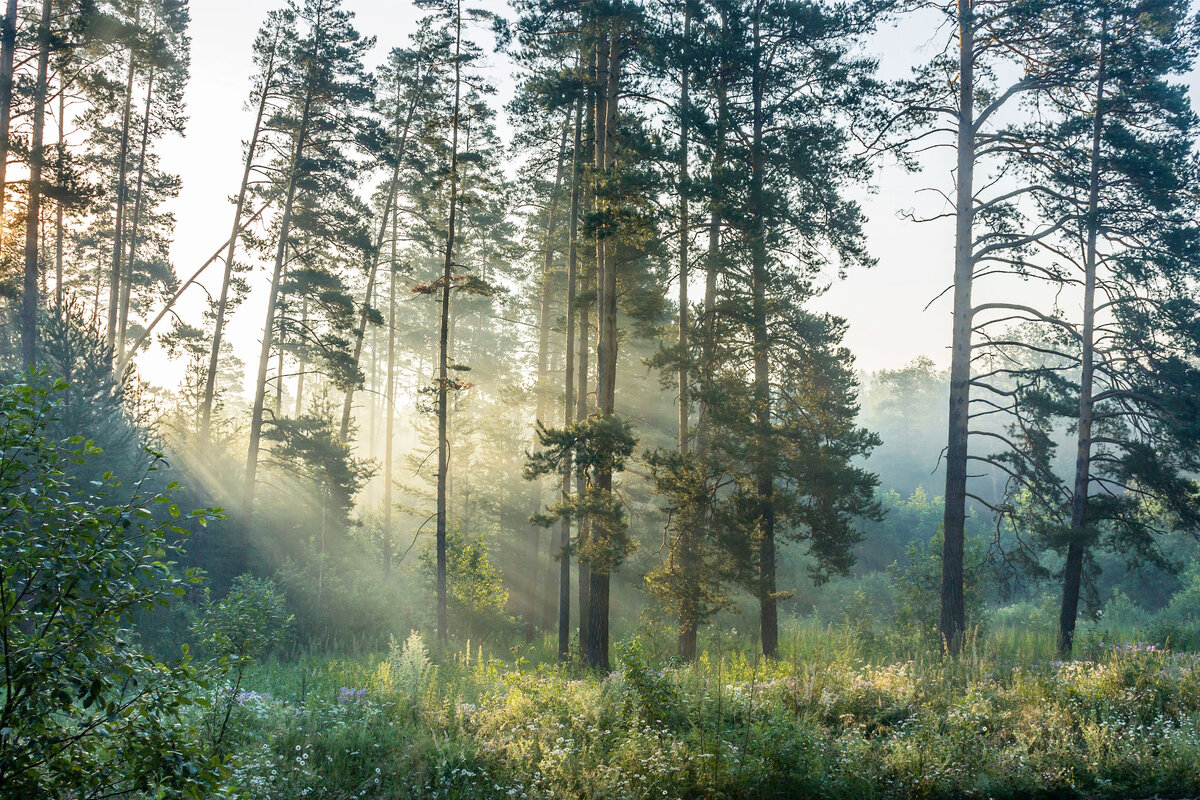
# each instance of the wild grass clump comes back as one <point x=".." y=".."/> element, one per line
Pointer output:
<point x="825" y="723"/>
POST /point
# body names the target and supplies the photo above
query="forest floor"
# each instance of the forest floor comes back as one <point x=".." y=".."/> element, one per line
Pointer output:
<point x="825" y="721"/>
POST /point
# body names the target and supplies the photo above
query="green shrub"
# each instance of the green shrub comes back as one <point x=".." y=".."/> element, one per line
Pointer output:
<point x="237" y="631"/>
<point x="84" y="711"/>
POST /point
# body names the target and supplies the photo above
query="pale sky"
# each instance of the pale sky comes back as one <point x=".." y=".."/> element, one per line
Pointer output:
<point x="884" y="305"/>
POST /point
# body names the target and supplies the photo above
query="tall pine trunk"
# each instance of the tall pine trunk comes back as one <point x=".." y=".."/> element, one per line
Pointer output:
<point x="8" y="49"/>
<point x="264" y="355"/>
<point x="581" y="412"/>
<point x="444" y="341"/>
<point x="388" y="210"/>
<point x="761" y="348"/>
<point x="118" y="249"/>
<point x="1073" y="568"/>
<point x="689" y="612"/>
<point x="210" y="377"/>
<point x="302" y="366"/>
<point x="608" y="70"/>
<point x="59" y="228"/>
<point x="37" y="157"/>
<point x="712" y="267"/>
<point x="389" y="399"/>
<point x="569" y="400"/>
<point x="138" y="204"/>
<point x="542" y="390"/>
<point x="953" y="619"/>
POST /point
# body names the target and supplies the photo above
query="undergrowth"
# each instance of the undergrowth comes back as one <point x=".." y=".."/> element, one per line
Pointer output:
<point x="831" y="719"/>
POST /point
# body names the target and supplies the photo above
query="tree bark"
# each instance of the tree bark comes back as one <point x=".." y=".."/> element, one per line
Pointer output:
<point x="127" y="287"/>
<point x="8" y="49"/>
<point x="37" y="156"/>
<point x="1073" y="568"/>
<point x="210" y="378"/>
<point x="114" y="281"/>
<point x="264" y="356"/>
<point x="569" y="400"/>
<point x="953" y="619"/>
<point x="761" y="347"/>
<point x="389" y="208"/>
<point x="444" y="340"/>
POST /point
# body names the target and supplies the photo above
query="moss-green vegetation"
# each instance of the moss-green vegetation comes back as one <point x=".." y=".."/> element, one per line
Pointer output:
<point x="830" y="719"/>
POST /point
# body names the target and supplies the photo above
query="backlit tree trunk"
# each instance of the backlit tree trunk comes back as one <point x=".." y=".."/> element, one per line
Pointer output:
<point x="389" y="399"/>
<point x="688" y="614"/>
<point x="37" y="157"/>
<point x="608" y="70"/>
<point x="8" y="49"/>
<point x="114" y="280"/>
<point x="1073" y="568"/>
<point x="210" y="378"/>
<point x="569" y="401"/>
<point x="127" y="286"/>
<point x="953" y="620"/>
<point x="541" y="392"/>
<point x="264" y="356"/>
<point x="765" y="477"/>
<point x="444" y="340"/>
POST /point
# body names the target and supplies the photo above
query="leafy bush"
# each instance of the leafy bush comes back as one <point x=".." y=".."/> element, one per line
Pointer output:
<point x="245" y="624"/>
<point x="1179" y="622"/>
<point x="918" y="585"/>
<point x="653" y="696"/>
<point x="237" y="631"/>
<point x="85" y="711"/>
<point x="476" y="594"/>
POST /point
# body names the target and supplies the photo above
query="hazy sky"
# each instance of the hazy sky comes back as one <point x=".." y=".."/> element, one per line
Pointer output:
<point x="884" y="305"/>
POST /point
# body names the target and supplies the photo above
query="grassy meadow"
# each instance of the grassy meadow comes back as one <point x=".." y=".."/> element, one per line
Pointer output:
<point x="838" y="716"/>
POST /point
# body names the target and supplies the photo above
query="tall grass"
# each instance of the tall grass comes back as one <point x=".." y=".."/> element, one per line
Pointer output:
<point x="839" y="715"/>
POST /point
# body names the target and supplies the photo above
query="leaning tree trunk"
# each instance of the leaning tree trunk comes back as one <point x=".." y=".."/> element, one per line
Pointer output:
<point x="953" y="617"/>
<point x="1073" y="568"/>
<point x="264" y="355"/>
<point x="210" y="378"/>
<point x="37" y="156"/>
<point x="388" y="210"/>
<point x="138" y="204"/>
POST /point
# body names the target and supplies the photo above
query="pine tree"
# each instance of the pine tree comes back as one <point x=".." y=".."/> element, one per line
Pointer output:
<point x="990" y="228"/>
<point x="1116" y="189"/>
<point x="324" y="92"/>
<point x="266" y="58"/>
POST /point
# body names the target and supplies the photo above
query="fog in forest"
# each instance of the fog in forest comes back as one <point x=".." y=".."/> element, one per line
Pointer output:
<point x="722" y="399"/>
